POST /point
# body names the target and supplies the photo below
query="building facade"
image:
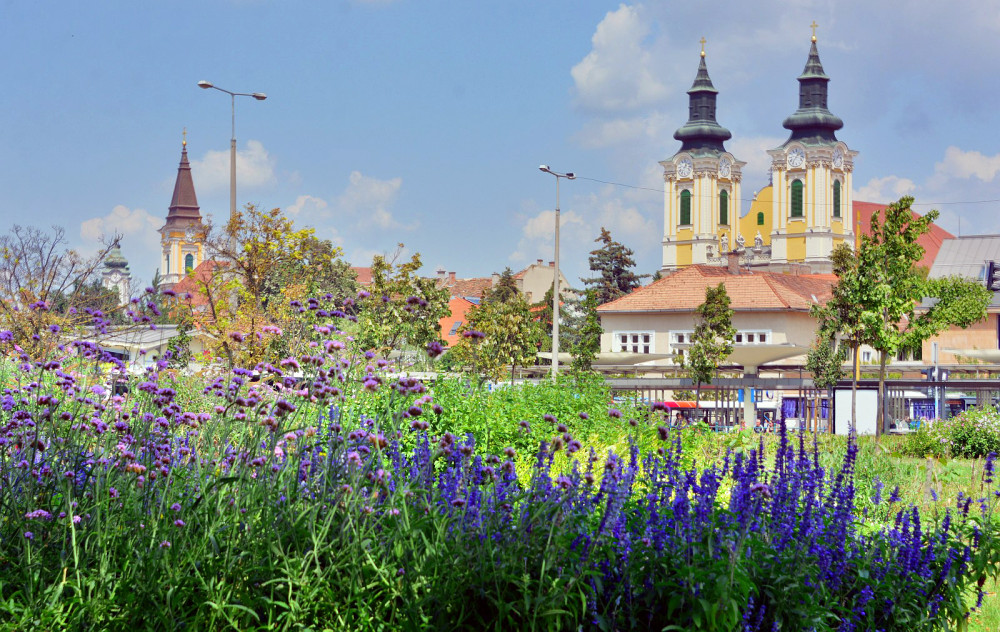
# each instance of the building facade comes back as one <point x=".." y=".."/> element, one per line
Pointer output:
<point x="797" y="220"/>
<point x="182" y="237"/>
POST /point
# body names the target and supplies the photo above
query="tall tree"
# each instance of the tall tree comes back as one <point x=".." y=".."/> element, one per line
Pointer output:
<point x="893" y="288"/>
<point x="498" y="335"/>
<point x="613" y="264"/>
<point x="402" y="309"/>
<point x="588" y="343"/>
<point x="260" y="263"/>
<point x="712" y="340"/>
<point x="504" y="290"/>
<point x="46" y="286"/>
<point x="841" y="316"/>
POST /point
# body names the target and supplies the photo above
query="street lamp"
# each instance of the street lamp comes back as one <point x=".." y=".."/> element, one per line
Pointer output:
<point x="555" y="278"/>
<point x="260" y="96"/>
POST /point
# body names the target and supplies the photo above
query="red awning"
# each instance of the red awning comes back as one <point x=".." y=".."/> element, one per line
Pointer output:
<point x="680" y="404"/>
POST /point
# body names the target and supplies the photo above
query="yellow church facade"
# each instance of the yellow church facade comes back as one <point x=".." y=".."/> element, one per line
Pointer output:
<point x="797" y="220"/>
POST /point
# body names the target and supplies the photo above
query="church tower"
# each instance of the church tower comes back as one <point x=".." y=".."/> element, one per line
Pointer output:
<point x="116" y="276"/>
<point x="183" y="235"/>
<point x="701" y="183"/>
<point x="811" y="209"/>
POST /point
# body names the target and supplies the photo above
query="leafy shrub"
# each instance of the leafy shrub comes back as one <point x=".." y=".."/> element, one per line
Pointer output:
<point x="974" y="433"/>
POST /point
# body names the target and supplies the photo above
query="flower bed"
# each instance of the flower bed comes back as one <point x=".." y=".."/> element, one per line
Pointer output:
<point x="338" y="500"/>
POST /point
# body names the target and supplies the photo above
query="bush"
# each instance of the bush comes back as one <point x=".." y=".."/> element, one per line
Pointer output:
<point x="973" y="434"/>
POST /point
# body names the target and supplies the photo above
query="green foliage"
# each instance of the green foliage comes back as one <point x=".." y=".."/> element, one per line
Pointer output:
<point x="826" y="360"/>
<point x="180" y="346"/>
<point x="505" y="289"/>
<point x="403" y="308"/>
<point x="890" y="288"/>
<point x="510" y="337"/>
<point x="712" y="340"/>
<point x="588" y="343"/>
<point x="613" y="264"/>
<point x="972" y="434"/>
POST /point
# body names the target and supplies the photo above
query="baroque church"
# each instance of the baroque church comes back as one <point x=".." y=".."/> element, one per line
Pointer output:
<point x="795" y="222"/>
<point x="182" y="236"/>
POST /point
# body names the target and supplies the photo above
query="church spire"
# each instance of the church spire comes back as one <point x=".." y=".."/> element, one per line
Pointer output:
<point x="813" y="122"/>
<point x="184" y="208"/>
<point x="702" y="132"/>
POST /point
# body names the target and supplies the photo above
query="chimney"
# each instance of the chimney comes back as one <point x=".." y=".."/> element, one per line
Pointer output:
<point x="733" y="259"/>
<point x="442" y="274"/>
<point x="451" y="277"/>
<point x="539" y="262"/>
<point x="552" y="264"/>
<point x="494" y="278"/>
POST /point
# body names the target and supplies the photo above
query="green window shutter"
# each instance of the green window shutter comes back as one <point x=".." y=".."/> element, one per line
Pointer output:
<point x="188" y="263"/>
<point x="836" y="198"/>
<point x="685" y="208"/>
<point x="760" y="218"/>
<point x="724" y="207"/>
<point x="797" y="196"/>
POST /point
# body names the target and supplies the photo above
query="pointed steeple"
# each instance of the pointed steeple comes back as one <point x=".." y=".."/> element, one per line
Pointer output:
<point x="184" y="208"/>
<point x="813" y="122"/>
<point x="702" y="132"/>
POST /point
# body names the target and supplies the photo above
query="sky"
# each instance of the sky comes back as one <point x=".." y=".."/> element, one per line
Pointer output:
<point x="423" y="122"/>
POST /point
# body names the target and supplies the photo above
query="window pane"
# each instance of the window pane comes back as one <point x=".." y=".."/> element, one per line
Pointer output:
<point x="739" y="337"/>
<point x="836" y="198"/>
<point x="723" y="207"/>
<point x="763" y="337"/>
<point x="797" y="198"/>
<point x="749" y="337"/>
<point x="685" y="208"/>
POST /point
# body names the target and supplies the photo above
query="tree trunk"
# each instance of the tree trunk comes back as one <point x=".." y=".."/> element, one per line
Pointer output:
<point x="880" y="414"/>
<point x="855" y="369"/>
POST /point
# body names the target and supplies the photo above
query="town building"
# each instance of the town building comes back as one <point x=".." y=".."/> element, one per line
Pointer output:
<point x="115" y="274"/>
<point x="182" y="237"/>
<point x="797" y="220"/>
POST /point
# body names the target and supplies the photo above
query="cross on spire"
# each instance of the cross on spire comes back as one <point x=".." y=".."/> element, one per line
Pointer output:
<point x="813" y="26"/>
<point x="184" y="135"/>
<point x="702" y="46"/>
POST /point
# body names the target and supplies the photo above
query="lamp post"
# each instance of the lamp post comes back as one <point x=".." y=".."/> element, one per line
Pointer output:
<point x="260" y="96"/>
<point x="555" y="278"/>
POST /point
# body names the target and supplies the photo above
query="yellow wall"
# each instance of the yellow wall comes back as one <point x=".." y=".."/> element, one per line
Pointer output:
<point x="748" y="223"/>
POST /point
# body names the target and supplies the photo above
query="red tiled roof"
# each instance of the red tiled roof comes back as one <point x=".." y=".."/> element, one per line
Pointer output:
<point x="931" y="240"/>
<point x="364" y="275"/>
<point x="459" y="309"/>
<point x="748" y="291"/>
<point x="466" y="288"/>
<point x="195" y="281"/>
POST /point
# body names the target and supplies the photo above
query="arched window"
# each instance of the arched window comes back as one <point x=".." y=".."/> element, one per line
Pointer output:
<point x="724" y="207"/>
<point x="685" y="208"/>
<point x="797" y="198"/>
<point x="836" y="198"/>
<point x="188" y="263"/>
<point x="760" y="218"/>
<point x="166" y="260"/>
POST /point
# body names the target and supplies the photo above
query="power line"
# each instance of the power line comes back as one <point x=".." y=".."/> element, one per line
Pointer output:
<point x="751" y="200"/>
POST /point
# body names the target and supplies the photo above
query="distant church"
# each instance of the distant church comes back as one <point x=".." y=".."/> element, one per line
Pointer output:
<point x="793" y="223"/>
<point x="182" y="237"/>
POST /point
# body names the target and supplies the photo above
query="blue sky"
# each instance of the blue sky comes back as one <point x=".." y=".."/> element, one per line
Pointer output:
<point x="424" y="123"/>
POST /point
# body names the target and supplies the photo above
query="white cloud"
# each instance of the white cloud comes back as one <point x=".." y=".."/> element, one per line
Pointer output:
<point x="254" y="168"/>
<point x="885" y="190"/>
<point x="538" y="234"/>
<point x="312" y="206"/>
<point x="371" y="200"/>
<point x="136" y="224"/>
<point x="753" y="151"/>
<point x="966" y="165"/>
<point x="617" y="74"/>
<point x="600" y="134"/>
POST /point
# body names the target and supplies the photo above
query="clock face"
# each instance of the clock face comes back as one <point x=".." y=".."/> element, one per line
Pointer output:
<point x="838" y="158"/>
<point x="725" y="168"/>
<point x="685" y="168"/>
<point x="796" y="158"/>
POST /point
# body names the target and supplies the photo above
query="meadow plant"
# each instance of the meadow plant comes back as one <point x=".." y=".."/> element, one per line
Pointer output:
<point x="325" y="491"/>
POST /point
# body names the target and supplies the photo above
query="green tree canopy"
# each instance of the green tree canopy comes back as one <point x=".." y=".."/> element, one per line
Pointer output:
<point x="712" y="341"/>
<point x="613" y="264"/>
<point x="499" y="335"/>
